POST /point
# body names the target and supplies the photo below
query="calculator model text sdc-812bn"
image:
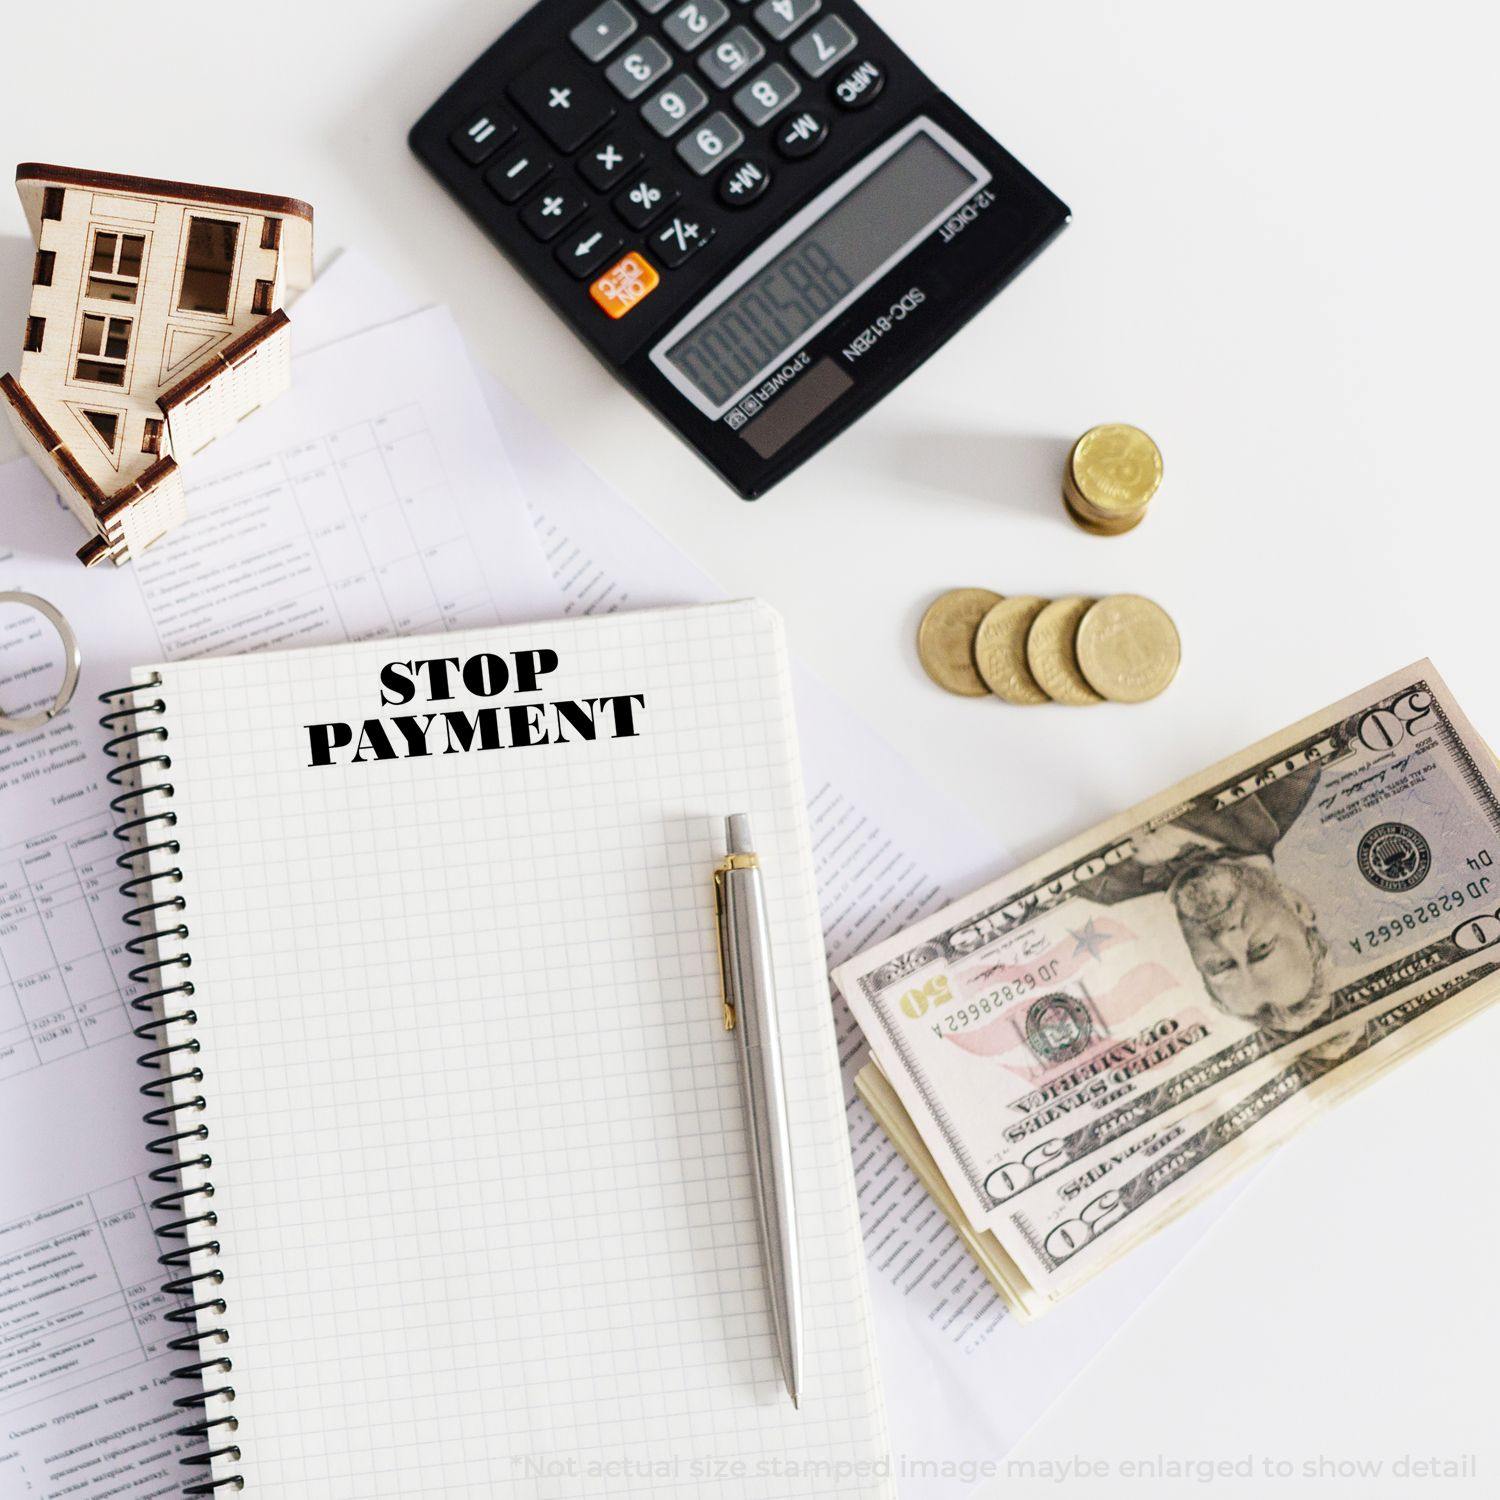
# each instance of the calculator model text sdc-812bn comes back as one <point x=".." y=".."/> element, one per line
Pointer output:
<point x="759" y="213"/>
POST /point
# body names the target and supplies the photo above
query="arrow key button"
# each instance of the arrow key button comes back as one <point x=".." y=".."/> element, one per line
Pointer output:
<point x="585" y="249"/>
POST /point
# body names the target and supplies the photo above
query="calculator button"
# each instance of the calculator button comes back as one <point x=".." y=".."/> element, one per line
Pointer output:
<point x="482" y="134"/>
<point x="608" y="160"/>
<point x="563" y="100"/>
<point x="652" y="6"/>
<point x="767" y="95"/>
<point x="633" y="72"/>
<point x="859" y="86"/>
<point x="645" y="198"/>
<point x="739" y="51"/>
<point x="692" y="24"/>
<point x="802" y="134"/>
<point x="601" y="31"/>
<point x="782" y="17"/>
<point x="551" y="211"/>
<point x="679" y="238"/>
<point x="667" y="112"/>
<point x="516" y="173"/>
<point x="744" y="181"/>
<point x="828" y="41"/>
<point x="584" y="250"/>
<point x="630" y="280"/>
<point x="710" y="144"/>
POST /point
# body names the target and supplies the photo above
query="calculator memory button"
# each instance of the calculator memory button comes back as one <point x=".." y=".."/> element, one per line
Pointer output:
<point x="690" y="25"/>
<point x="628" y="282"/>
<point x="736" y="53"/>
<point x="744" y="181"/>
<point x="516" y="173"/>
<point x="563" y="100"/>
<point x="602" y="30"/>
<point x="482" y="135"/>
<point x="681" y="236"/>
<point x="860" y="85"/>
<point x="647" y="197"/>
<point x="802" y="134"/>
<point x="782" y="17"/>
<point x="766" y="96"/>
<point x="584" y="250"/>
<point x="710" y="144"/>
<point x="823" y="46"/>
<point x="551" y="211"/>
<point x="667" y="112"/>
<point x="608" y="159"/>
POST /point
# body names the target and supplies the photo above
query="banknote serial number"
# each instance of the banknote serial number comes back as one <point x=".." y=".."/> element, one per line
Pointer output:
<point x="1431" y="910"/>
<point x="982" y="1007"/>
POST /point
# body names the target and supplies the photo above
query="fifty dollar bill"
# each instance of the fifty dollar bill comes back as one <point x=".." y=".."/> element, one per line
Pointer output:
<point x="1052" y="1030"/>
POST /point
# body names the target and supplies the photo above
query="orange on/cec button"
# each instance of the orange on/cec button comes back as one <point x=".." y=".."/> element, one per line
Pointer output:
<point x="630" y="280"/>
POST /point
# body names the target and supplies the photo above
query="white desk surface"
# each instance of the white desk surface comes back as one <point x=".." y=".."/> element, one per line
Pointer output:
<point x="1282" y="265"/>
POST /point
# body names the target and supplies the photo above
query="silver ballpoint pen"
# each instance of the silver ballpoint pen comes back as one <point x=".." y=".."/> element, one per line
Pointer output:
<point x="750" y="1011"/>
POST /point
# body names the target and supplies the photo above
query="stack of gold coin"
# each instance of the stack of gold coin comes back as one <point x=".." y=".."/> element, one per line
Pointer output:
<point x="1028" y="650"/>
<point x="1112" y="473"/>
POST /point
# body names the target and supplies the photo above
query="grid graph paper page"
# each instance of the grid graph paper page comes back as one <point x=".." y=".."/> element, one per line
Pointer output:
<point x="477" y="1134"/>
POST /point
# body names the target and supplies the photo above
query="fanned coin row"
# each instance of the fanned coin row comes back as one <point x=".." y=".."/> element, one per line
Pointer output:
<point x="1027" y="650"/>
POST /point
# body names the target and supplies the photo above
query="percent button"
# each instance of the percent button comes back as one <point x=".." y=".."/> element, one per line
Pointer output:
<point x="645" y="198"/>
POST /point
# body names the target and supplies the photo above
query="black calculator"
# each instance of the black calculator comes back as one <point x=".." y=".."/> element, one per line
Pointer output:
<point x="758" y="213"/>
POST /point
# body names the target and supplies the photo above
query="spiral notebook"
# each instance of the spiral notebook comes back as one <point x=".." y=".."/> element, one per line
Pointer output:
<point x="440" y="1026"/>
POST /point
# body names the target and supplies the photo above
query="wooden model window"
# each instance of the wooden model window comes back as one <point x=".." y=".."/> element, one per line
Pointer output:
<point x="261" y="302"/>
<point x="208" y="272"/>
<point x="107" y="425"/>
<point x="115" y="266"/>
<point x="103" y="348"/>
<point x="36" y="331"/>
<point x="46" y="261"/>
<point x="270" y="234"/>
<point x="151" y="438"/>
<point x="52" y="203"/>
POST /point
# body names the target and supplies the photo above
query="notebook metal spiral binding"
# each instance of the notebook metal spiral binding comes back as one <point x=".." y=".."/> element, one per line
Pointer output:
<point x="184" y="1220"/>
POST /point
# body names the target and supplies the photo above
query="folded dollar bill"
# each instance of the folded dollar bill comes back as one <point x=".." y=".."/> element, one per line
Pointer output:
<point x="1090" y="1044"/>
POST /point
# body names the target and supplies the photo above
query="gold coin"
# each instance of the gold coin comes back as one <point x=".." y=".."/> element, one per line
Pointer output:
<point x="1052" y="657"/>
<point x="1094" y="527"/>
<point x="1128" y="648"/>
<point x="1115" y="470"/>
<point x="1000" y="649"/>
<point x="945" y="639"/>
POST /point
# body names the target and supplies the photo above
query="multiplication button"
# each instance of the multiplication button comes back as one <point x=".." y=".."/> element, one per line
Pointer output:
<point x="608" y="159"/>
<point x="601" y="31"/>
<point x="823" y="46"/>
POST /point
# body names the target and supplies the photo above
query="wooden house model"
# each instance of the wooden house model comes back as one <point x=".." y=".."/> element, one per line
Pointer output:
<point x="155" y="325"/>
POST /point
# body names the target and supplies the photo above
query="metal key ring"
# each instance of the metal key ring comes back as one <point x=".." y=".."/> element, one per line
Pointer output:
<point x="70" y="673"/>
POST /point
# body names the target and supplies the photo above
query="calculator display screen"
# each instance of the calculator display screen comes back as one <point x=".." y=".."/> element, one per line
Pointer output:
<point x="808" y="273"/>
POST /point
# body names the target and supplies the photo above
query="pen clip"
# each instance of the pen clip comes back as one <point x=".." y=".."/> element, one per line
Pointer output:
<point x="723" y="940"/>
